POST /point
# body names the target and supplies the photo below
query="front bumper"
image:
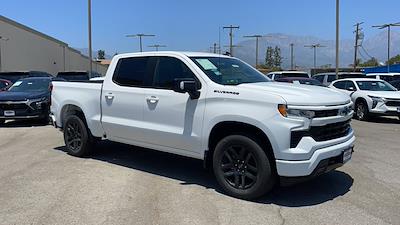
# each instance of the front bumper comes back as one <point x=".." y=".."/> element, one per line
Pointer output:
<point x="300" y="168"/>
<point x="23" y="110"/>
<point x="383" y="109"/>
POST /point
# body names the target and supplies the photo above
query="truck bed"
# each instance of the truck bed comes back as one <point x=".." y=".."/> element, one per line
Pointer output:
<point x="85" y="95"/>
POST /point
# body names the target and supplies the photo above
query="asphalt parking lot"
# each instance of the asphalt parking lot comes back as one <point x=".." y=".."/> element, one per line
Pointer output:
<point x="41" y="184"/>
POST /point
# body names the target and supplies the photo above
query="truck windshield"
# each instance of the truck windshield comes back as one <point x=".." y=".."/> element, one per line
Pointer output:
<point x="228" y="71"/>
<point x="375" y="86"/>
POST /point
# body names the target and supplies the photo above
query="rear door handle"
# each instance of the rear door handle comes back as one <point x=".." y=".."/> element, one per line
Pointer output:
<point x="152" y="99"/>
<point x="109" y="96"/>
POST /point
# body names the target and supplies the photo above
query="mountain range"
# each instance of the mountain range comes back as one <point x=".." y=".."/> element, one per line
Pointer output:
<point x="375" y="46"/>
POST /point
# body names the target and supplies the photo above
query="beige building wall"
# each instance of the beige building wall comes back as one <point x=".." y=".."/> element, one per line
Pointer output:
<point x="23" y="48"/>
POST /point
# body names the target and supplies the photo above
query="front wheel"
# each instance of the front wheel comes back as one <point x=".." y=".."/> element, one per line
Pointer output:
<point x="77" y="137"/>
<point x="242" y="168"/>
<point x="362" y="111"/>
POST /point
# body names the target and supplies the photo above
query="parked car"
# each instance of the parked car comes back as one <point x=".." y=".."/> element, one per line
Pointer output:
<point x="211" y="107"/>
<point x="395" y="83"/>
<point x="370" y="96"/>
<point x="4" y="84"/>
<point x="384" y="76"/>
<point x="300" y="80"/>
<point x="14" y="76"/>
<point x="327" y="78"/>
<point x="77" y="75"/>
<point x="282" y="74"/>
<point x="27" y="98"/>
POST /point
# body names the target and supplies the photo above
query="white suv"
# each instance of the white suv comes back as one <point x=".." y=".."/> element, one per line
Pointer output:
<point x="370" y="96"/>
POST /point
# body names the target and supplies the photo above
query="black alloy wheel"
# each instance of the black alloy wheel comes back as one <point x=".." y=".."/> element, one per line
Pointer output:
<point x="77" y="138"/>
<point x="242" y="167"/>
<point x="239" y="167"/>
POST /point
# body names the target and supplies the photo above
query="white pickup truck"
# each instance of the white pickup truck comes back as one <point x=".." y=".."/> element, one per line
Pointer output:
<point x="252" y="132"/>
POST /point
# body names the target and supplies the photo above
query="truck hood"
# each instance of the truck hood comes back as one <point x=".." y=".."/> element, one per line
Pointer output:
<point x="21" y="96"/>
<point x="384" y="94"/>
<point x="299" y="94"/>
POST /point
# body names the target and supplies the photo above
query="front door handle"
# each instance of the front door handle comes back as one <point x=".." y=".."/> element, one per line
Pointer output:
<point x="109" y="96"/>
<point x="152" y="99"/>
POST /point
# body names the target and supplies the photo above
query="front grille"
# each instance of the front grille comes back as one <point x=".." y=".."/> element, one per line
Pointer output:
<point x="326" y="113"/>
<point x="393" y="103"/>
<point x="321" y="133"/>
<point x="13" y="106"/>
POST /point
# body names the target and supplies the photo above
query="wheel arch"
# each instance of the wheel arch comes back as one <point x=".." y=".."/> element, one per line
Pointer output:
<point x="225" y="128"/>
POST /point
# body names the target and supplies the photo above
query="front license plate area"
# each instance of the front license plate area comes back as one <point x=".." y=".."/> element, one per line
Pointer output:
<point x="346" y="156"/>
<point x="9" y="113"/>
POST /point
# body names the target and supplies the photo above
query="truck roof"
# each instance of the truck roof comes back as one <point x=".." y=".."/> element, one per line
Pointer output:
<point x="172" y="53"/>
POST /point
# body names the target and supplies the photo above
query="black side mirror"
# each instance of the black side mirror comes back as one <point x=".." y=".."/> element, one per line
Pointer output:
<point x="187" y="85"/>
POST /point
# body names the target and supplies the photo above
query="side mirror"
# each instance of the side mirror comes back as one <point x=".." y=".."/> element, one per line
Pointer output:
<point x="187" y="85"/>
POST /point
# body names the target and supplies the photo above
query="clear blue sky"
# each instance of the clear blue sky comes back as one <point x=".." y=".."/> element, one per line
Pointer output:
<point x="190" y="24"/>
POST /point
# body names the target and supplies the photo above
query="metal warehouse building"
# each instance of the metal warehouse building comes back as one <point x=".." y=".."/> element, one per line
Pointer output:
<point x="23" y="48"/>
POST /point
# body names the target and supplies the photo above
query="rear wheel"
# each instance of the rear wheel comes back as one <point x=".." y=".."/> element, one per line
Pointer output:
<point x="362" y="110"/>
<point x="242" y="168"/>
<point x="77" y="137"/>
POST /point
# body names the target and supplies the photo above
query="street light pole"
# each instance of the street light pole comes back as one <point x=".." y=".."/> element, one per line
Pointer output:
<point x="140" y="36"/>
<point x="314" y="47"/>
<point x="291" y="57"/>
<point x="156" y="46"/>
<point x="90" y="36"/>
<point x="231" y="37"/>
<point x="256" y="36"/>
<point x="337" y="41"/>
<point x="388" y="25"/>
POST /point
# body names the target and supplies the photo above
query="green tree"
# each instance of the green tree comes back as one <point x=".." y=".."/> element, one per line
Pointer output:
<point x="269" y="57"/>
<point x="371" y="62"/>
<point x="394" y="60"/>
<point x="277" y="57"/>
<point x="101" y="54"/>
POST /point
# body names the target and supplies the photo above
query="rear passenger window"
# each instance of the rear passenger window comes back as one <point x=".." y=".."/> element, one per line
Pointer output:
<point x="340" y="85"/>
<point x="331" y="78"/>
<point x="320" y="78"/>
<point x="131" y="71"/>
<point x="168" y="69"/>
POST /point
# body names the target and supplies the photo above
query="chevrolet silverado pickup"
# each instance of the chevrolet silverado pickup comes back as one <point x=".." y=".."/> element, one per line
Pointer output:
<point x="253" y="133"/>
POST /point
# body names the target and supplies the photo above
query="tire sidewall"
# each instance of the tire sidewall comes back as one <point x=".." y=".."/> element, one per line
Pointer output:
<point x="365" y="111"/>
<point x="265" y="177"/>
<point x="85" y="147"/>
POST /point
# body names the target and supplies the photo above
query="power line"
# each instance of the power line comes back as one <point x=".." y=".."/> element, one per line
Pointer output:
<point x="231" y="46"/>
<point x="140" y="36"/>
<point x="362" y="47"/>
<point x="356" y="45"/>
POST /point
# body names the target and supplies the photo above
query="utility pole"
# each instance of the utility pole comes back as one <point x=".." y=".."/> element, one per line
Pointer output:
<point x="314" y="47"/>
<point x="357" y="32"/>
<point x="140" y="36"/>
<point x="90" y="36"/>
<point x="337" y="41"/>
<point x="2" y="39"/>
<point x="231" y="37"/>
<point x="257" y="37"/>
<point x="388" y="25"/>
<point x="156" y="46"/>
<point x="291" y="56"/>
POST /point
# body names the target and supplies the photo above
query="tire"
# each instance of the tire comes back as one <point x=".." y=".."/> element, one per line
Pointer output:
<point x="242" y="168"/>
<point x="2" y="121"/>
<point x="77" y="137"/>
<point x="362" y="111"/>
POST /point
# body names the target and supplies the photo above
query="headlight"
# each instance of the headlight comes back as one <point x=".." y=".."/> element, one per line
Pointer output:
<point x="375" y="100"/>
<point x="295" y="112"/>
<point x="38" y="102"/>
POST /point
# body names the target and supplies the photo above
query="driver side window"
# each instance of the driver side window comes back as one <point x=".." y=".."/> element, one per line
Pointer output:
<point x="167" y="70"/>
